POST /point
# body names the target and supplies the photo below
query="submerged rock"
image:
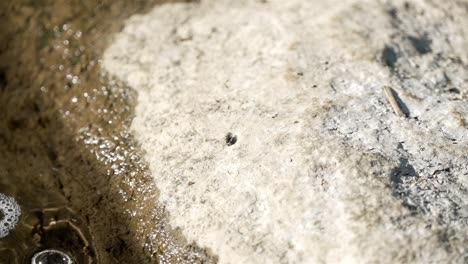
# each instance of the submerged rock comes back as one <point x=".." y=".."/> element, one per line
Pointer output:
<point x="268" y="132"/>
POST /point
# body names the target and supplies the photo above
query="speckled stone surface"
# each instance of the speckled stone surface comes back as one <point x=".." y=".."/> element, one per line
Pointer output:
<point x="321" y="169"/>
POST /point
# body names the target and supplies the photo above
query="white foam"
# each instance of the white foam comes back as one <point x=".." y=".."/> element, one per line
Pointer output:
<point x="10" y="212"/>
<point x="51" y="255"/>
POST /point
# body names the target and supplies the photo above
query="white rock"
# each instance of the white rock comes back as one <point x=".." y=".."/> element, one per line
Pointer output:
<point x="323" y="171"/>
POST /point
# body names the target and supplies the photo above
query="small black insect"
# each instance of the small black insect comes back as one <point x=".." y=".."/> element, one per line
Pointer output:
<point x="231" y="139"/>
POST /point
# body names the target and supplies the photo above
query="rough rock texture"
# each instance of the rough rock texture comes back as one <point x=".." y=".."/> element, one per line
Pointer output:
<point x="268" y="133"/>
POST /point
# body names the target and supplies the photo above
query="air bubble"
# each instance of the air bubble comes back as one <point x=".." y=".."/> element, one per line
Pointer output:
<point x="51" y="256"/>
<point x="10" y="213"/>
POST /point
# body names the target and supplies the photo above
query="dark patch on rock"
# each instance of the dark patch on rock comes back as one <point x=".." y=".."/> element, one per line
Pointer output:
<point x="393" y="13"/>
<point x="389" y="56"/>
<point x="422" y="44"/>
<point x="407" y="5"/>
<point x="231" y="139"/>
<point x="454" y="90"/>
<point x="404" y="170"/>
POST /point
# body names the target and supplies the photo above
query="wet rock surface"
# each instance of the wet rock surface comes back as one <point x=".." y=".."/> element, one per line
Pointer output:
<point x="268" y="132"/>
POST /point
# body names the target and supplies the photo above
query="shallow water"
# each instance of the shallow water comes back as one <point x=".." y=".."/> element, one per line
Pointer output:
<point x="66" y="154"/>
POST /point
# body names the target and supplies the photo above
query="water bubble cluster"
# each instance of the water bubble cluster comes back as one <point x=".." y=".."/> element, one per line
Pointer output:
<point x="9" y="214"/>
<point x="51" y="256"/>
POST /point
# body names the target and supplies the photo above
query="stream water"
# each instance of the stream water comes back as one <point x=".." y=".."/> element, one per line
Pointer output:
<point x="66" y="154"/>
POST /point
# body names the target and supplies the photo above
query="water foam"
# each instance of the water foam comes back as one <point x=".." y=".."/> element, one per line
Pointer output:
<point x="51" y="256"/>
<point x="10" y="212"/>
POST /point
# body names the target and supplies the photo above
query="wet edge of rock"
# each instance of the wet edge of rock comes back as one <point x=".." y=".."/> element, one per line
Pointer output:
<point x="63" y="132"/>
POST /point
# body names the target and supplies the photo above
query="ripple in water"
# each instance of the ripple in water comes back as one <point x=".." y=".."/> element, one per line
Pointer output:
<point x="51" y="256"/>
